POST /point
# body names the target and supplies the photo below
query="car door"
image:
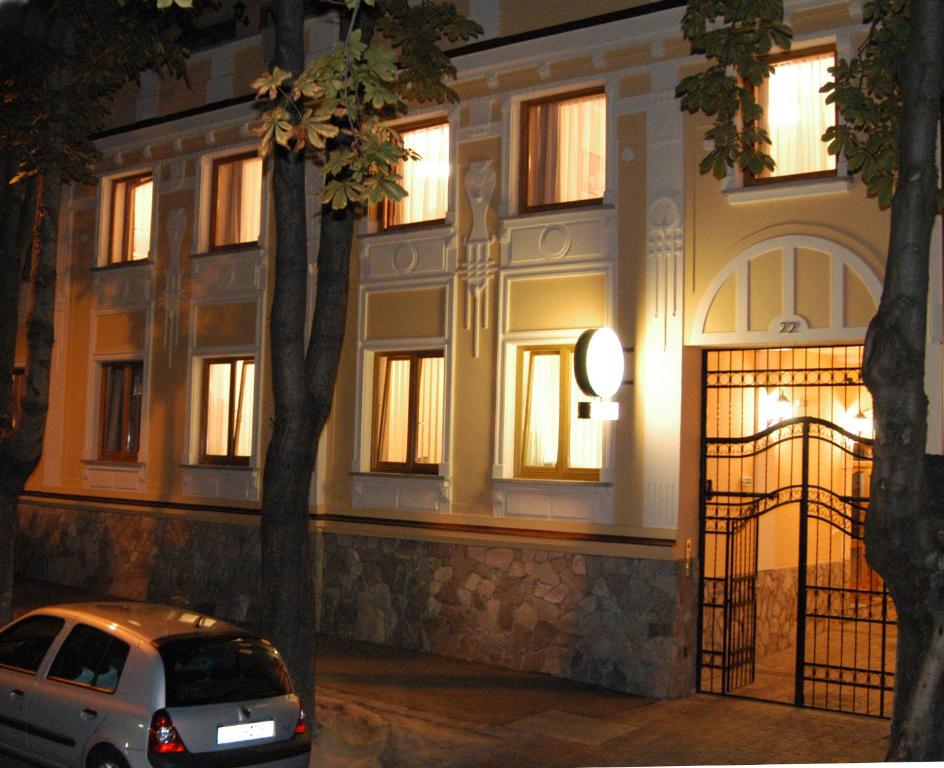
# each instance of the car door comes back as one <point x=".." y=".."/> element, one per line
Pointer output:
<point x="23" y="646"/>
<point x="67" y="706"/>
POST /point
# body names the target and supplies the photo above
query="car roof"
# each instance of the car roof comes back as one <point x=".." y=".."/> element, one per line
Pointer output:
<point x="151" y="622"/>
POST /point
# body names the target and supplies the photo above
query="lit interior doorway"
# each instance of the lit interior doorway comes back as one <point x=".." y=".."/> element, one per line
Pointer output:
<point x="790" y="610"/>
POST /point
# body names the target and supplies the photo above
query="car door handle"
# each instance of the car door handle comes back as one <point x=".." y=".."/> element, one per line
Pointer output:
<point x="16" y="693"/>
<point x="89" y="714"/>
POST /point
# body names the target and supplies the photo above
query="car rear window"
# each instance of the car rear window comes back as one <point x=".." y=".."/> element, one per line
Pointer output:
<point x="215" y="670"/>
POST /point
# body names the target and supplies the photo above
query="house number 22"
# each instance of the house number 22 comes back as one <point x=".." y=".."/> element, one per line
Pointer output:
<point x="789" y="326"/>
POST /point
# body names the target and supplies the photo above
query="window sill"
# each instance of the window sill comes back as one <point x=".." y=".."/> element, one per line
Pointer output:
<point x="575" y="500"/>
<point x="406" y="493"/>
<point x="107" y="474"/>
<point x="123" y="265"/>
<point x="228" y="249"/>
<point x="423" y="229"/>
<point x="776" y="191"/>
<point x="237" y="482"/>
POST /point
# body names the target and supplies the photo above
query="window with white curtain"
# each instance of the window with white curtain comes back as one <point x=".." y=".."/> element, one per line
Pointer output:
<point x="408" y="412"/>
<point x="796" y="114"/>
<point x="122" y="392"/>
<point x="564" y="158"/>
<point x="237" y="200"/>
<point x="228" y="395"/>
<point x="551" y="441"/>
<point x="426" y="180"/>
<point x="131" y="202"/>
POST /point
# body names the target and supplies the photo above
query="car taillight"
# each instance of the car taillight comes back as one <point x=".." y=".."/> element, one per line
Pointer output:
<point x="300" y="726"/>
<point x="163" y="736"/>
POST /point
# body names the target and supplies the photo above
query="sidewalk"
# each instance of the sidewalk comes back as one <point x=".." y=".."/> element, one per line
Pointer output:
<point x="382" y="707"/>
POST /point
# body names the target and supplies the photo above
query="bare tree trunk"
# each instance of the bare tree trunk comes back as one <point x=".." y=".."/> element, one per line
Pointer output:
<point x="287" y="591"/>
<point x="21" y="448"/>
<point x="18" y="204"/>
<point x="302" y="382"/>
<point x="905" y="515"/>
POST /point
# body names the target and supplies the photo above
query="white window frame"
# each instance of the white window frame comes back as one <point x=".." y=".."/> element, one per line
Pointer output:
<point x="512" y="149"/>
<point x="203" y="236"/>
<point x="387" y="490"/>
<point x="106" y="198"/>
<point x="372" y="225"/>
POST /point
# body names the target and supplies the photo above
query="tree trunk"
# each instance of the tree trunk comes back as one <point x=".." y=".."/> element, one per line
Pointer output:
<point x="21" y="448"/>
<point x="18" y="204"/>
<point x="287" y="591"/>
<point x="302" y="383"/>
<point x="905" y="514"/>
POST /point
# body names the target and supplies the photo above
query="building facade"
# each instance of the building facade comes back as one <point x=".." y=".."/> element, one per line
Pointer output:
<point x="460" y="505"/>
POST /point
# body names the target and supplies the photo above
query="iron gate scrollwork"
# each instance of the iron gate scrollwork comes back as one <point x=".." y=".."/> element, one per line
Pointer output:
<point x="790" y="610"/>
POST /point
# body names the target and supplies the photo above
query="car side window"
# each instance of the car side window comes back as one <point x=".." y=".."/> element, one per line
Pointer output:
<point x="91" y="658"/>
<point x="23" y="645"/>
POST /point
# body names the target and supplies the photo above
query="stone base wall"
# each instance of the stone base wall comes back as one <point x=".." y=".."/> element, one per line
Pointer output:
<point x="623" y="623"/>
<point x="211" y="566"/>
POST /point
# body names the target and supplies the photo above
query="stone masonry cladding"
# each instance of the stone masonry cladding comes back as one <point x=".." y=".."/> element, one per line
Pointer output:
<point x="623" y="623"/>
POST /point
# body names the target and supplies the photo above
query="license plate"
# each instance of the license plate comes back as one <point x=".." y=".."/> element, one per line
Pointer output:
<point x="230" y="734"/>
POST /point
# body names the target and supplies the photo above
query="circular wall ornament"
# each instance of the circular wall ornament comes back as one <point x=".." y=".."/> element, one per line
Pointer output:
<point x="554" y="241"/>
<point x="404" y="259"/>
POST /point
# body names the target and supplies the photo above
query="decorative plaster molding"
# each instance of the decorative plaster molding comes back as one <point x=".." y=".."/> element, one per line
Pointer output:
<point x="665" y="250"/>
<point x="406" y="493"/>
<point x="478" y="268"/>
<point x="537" y="500"/>
<point x="176" y="223"/>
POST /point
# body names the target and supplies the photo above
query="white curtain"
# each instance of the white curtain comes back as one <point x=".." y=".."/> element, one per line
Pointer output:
<point x="143" y="195"/>
<point x="582" y="147"/>
<point x="567" y="150"/>
<point x="238" y="201"/>
<point x="797" y="115"/>
<point x="230" y="392"/>
<point x="426" y="180"/>
<point x="542" y="377"/>
<point x="218" y="398"/>
<point x="586" y="436"/>
<point x="242" y="417"/>
<point x="395" y="414"/>
<point x="429" y="417"/>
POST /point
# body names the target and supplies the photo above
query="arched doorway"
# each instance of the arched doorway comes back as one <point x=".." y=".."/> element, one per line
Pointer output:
<point x="790" y="611"/>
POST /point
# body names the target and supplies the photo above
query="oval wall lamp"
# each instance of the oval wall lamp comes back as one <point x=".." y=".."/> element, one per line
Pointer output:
<point x="598" y="368"/>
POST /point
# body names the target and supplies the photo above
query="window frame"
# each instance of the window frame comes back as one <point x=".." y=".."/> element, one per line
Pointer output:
<point x="126" y="186"/>
<point x="128" y="399"/>
<point x="17" y="395"/>
<point x="410" y="466"/>
<point x="383" y="211"/>
<point x="561" y="471"/>
<point x="230" y="459"/>
<point x="524" y="150"/>
<point x="749" y="179"/>
<point x="215" y="164"/>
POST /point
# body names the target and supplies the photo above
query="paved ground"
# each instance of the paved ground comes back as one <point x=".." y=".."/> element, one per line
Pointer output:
<point x="380" y="707"/>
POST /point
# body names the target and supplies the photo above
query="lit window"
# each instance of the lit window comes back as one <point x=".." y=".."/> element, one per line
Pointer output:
<point x="122" y="387"/>
<point x="796" y="114"/>
<point x="552" y="441"/>
<point x="237" y="200"/>
<point x="229" y="388"/>
<point x="408" y="424"/>
<point x="564" y="159"/>
<point x="426" y="180"/>
<point x="131" y="203"/>
<point x="17" y="393"/>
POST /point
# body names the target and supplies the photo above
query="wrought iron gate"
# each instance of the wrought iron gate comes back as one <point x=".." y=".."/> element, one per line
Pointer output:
<point x="790" y="610"/>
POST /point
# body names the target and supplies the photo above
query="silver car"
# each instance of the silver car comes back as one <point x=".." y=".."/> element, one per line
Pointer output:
<point x="135" y="685"/>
